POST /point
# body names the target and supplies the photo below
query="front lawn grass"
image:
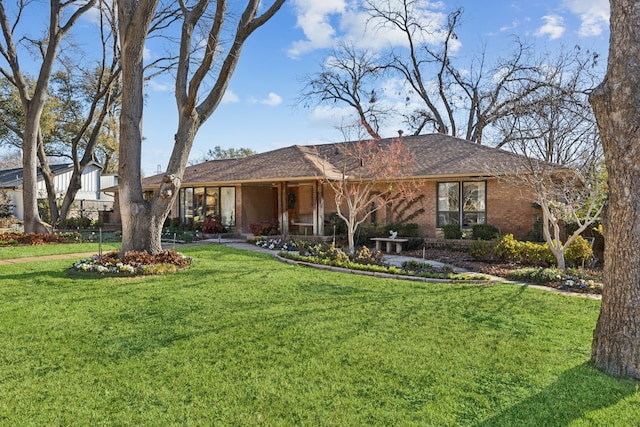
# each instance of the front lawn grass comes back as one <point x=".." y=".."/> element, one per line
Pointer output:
<point x="10" y="252"/>
<point x="241" y="339"/>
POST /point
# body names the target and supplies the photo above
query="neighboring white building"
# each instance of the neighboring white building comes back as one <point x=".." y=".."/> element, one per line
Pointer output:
<point x="89" y="198"/>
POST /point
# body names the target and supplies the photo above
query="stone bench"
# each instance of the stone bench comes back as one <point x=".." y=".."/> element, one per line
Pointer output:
<point x="388" y="240"/>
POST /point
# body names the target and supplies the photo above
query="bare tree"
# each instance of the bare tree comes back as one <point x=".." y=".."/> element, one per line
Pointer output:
<point x="616" y="103"/>
<point x="142" y="219"/>
<point x="554" y="131"/>
<point x="33" y="99"/>
<point x="349" y="76"/>
<point x="373" y="174"/>
<point x="440" y="93"/>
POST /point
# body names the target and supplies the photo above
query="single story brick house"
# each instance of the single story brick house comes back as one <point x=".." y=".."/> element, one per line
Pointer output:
<point x="460" y="182"/>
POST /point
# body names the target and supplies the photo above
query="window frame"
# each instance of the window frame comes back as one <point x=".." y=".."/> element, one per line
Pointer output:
<point x="217" y="194"/>
<point x="461" y="212"/>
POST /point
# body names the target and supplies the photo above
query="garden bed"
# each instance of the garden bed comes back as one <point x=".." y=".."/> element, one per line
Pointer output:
<point x="582" y="280"/>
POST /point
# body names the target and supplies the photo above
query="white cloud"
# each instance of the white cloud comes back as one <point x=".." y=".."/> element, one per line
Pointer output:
<point x="329" y="22"/>
<point x="272" y="100"/>
<point x="314" y="18"/>
<point x="553" y="27"/>
<point x="594" y="15"/>
<point x="157" y="86"/>
<point x="230" y="97"/>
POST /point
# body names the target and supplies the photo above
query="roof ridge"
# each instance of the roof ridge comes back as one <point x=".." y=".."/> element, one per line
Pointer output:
<point x="323" y="166"/>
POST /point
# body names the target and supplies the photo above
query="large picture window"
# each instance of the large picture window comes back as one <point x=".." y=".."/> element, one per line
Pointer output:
<point x="195" y="204"/>
<point x="462" y="203"/>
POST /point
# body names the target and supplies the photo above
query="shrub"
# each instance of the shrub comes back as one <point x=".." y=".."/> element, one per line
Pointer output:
<point x="365" y="256"/>
<point x="6" y="205"/>
<point x="579" y="252"/>
<point x="481" y="249"/>
<point x="510" y="249"/>
<point x="212" y="226"/>
<point x="333" y="220"/>
<point x="8" y="239"/>
<point x="365" y="232"/>
<point x="268" y="227"/>
<point x="485" y="232"/>
<point x="452" y="231"/>
<point x="74" y="222"/>
<point x="537" y="275"/>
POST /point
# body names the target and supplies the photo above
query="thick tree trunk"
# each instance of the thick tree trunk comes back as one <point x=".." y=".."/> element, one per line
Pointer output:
<point x="139" y="228"/>
<point x="616" y="340"/>
<point x="32" y="221"/>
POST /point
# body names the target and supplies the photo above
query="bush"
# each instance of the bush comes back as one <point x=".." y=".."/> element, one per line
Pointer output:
<point x="452" y="231"/>
<point x="507" y="248"/>
<point x="212" y="226"/>
<point x="481" y="249"/>
<point x="365" y="256"/>
<point x="485" y="232"/>
<point x="579" y="252"/>
<point x="268" y="227"/>
<point x="333" y="220"/>
<point x="529" y="253"/>
<point x="537" y="275"/>
<point x="74" y="222"/>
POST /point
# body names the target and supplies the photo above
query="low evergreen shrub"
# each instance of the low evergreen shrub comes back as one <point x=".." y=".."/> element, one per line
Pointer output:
<point x="485" y="232"/>
<point x="452" y="231"/>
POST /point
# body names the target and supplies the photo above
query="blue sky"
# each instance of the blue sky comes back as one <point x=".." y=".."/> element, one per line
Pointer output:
<point x="262" y="111"/>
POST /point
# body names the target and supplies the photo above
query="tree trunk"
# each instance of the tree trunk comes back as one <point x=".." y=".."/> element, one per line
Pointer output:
<point x="139" y="228"/>
<point x="616" y="340"/>
<point x="48" y="179"/>
<point x="32" y="222"/>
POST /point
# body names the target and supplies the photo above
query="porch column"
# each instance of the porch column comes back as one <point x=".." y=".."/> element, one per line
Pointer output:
<point x="282" y="208"/>
<point x="318" y="209"/>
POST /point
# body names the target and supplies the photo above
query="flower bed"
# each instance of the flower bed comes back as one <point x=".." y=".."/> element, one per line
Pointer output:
<point x="132" y="263"/>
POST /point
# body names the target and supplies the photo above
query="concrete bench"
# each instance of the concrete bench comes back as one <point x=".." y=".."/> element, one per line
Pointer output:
<point x="388" y="240"/>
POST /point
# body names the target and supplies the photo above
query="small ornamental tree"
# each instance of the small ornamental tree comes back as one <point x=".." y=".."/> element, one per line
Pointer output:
<point x="374" y="174"/>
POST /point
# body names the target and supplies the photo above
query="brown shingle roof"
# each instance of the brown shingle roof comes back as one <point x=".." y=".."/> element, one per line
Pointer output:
<point x="435" y="155"/>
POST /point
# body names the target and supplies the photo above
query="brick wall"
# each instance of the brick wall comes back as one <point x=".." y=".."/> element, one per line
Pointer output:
<point x="509" y="207"/>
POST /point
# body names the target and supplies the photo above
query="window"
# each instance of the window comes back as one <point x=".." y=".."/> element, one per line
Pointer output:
<point x="195" y="204"/>
<point x="462" y="203"/>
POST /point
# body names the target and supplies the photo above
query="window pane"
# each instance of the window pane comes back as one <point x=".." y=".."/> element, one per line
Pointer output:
<point x="198" y="204"/>
<point x="445" y="218"/>
<point x="472" y="218"/>
<point x="181" y="204"/>
<point x="448" y="203"/>
<point x="213" y="202"/>
<point x="188" y="204"/>
<point x="228" y="205"/>
<point x="473" y="196"/>
<point x="448" y="196"/>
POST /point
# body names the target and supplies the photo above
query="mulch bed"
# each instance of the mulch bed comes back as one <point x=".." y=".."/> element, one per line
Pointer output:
<point x="464" y="260"/>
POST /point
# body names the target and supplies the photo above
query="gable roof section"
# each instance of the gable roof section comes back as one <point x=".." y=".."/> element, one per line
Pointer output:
<point x="436" y="156"/>
<point x="12" y="178"/>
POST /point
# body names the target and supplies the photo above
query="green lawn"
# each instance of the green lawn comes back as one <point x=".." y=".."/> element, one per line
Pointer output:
<point x="9" y="252"/>
<point x="242" y="340"/>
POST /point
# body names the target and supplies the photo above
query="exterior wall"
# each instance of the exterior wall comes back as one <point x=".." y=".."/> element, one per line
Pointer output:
<point x="509" y="207"/>
<point x="257" y="204"/>
<point x="90" y="181"/>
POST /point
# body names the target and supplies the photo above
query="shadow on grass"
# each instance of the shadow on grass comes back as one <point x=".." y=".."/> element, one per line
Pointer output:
<point x="576" y="392"/>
